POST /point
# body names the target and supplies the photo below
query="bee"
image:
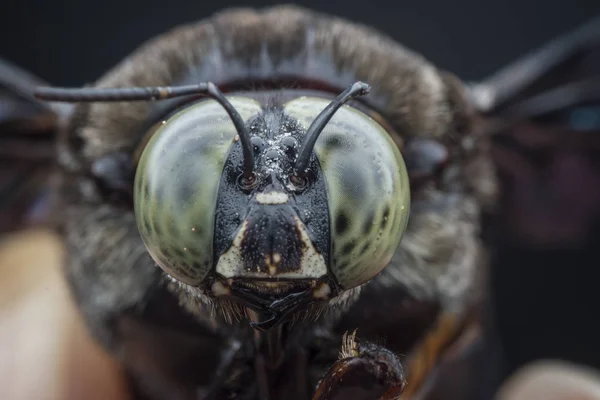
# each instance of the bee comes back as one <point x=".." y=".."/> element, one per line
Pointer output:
<point x="276" y="203"/>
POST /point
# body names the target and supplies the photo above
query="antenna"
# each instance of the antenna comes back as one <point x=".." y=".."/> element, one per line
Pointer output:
<point x="152" y="94"/>
<point x="315" y="129"/>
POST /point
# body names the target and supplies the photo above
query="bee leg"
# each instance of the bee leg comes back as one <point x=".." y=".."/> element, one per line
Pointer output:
<point x="224" y="368"/>
<point x="430" y="350"/>
<point x="363" y="371"/>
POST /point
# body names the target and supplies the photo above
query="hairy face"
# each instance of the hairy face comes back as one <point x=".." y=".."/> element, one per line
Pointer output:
<point x="138" y="192"/>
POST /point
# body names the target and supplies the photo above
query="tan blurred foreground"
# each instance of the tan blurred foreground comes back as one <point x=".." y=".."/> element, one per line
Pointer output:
<point x="45" y="353"/>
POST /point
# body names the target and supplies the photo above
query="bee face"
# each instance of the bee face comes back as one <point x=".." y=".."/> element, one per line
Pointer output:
<point x="333" y="225"/>
<point x="274" y="231"/>
<point x="275" y="224"/>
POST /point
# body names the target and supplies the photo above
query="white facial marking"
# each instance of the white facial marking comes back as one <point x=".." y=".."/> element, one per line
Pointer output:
<point x="272" y="198"/>
<point x="230" y="263"/>
<point x="312" y="264"/>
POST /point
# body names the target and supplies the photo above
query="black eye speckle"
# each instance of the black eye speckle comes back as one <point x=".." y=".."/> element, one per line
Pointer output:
<point x="139" y="186"/>
<point x="385" y="218"/>
<point x="369" y="223"/>
<point x="157" y="228"/>
<point x="196" y="265"/>
<point x="348" y="247"/>
<point x="194" y="253"/>
<point x="364" y="249"/>
<point x="342" y="266"/>
<point x="354" y="181"/>
<point x="178" y="252"/>
<point x="334" y="142"/>
<point x="341" y="223"/>
<point x="147" y="226"/>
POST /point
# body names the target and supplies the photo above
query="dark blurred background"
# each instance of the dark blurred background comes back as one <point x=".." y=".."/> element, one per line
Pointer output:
<point x="543" y="298"/>
<point x="72" y="42"/>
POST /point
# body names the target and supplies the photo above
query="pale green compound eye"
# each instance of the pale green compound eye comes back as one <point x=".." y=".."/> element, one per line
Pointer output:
<point x="367" y="188"/>
<point x="177" y="182"/>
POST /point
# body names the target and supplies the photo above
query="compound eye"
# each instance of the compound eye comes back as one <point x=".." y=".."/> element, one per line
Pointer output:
<point x="367" y="190"/>
<point x="176" y="186"/>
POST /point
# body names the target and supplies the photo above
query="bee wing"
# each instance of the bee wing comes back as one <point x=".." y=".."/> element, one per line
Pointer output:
<point x="542" y="116"/>
<point x="564" y="72"/>
<point x="27" y="134"/>
<point x="545" y="116"/>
